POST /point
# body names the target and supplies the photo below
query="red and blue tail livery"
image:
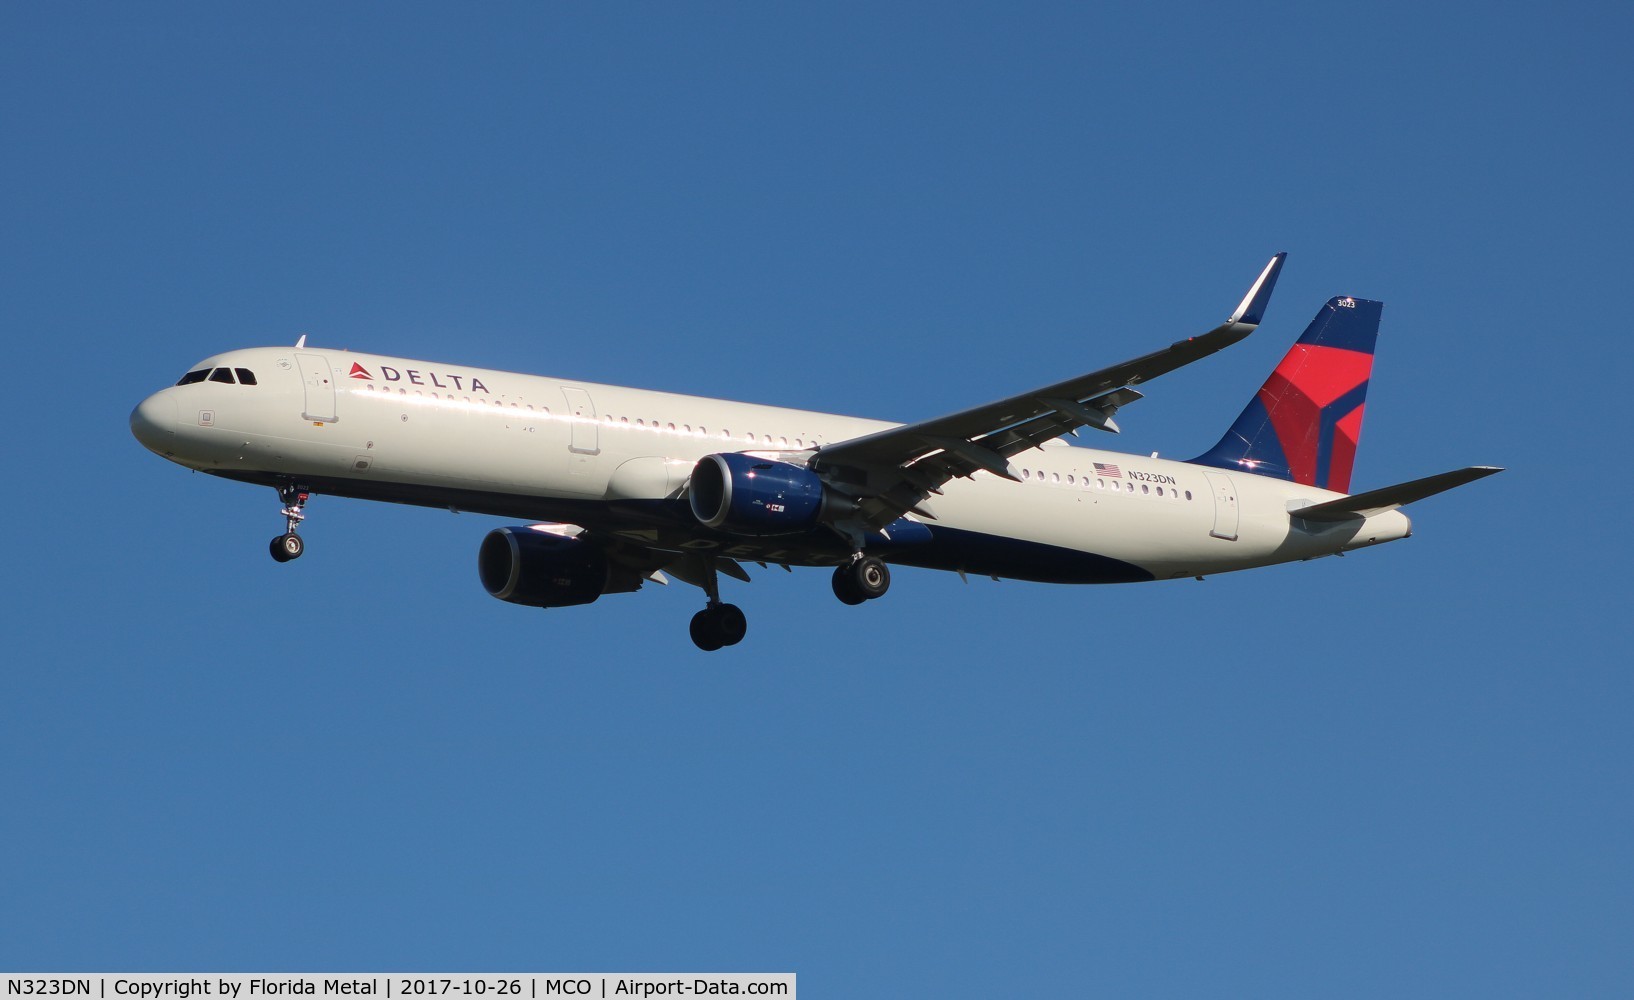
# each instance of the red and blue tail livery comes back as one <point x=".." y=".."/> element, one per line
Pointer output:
<point x="1306" y="420"/>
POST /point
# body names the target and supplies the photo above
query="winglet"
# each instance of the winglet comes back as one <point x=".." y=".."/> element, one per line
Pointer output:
<point x="1252" y="309"/>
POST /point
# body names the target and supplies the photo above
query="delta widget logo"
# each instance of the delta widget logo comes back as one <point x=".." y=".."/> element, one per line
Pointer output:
<point x="414" y="376"/>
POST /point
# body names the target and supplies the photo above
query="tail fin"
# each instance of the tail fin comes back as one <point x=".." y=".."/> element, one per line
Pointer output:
<point x="1304" y="423"/>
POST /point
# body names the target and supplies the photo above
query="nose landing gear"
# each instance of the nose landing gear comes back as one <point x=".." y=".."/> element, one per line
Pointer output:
<point x="289" y="545"/>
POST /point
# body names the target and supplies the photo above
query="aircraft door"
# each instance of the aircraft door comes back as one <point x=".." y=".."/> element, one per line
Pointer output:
<point x="320" y="388"/>
<point x="1225" y="506"/>
<point x="581" y="411"/>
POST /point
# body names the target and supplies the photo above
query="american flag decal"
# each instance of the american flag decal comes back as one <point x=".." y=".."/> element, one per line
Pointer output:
<point x="1110" y="471"/>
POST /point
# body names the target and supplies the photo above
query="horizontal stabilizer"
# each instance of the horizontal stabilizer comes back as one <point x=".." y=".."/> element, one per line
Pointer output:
<point x="1390" y="497"/>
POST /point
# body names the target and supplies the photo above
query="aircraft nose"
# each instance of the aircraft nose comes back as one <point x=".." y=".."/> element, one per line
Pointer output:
<point x="153" y="422"/>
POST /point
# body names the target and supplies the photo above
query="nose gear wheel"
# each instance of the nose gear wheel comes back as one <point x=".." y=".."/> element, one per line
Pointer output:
<point x="288" y="545"/>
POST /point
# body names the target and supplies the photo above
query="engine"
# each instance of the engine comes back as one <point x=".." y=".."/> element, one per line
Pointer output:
<point x="757" y="496"/>
<point x="542" y="570"/>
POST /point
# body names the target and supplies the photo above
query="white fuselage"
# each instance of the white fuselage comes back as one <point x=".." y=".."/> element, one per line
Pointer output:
<point x="549" y="449"/>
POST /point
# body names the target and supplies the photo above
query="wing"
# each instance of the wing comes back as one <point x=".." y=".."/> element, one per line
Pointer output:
<point x="893" y="472"/>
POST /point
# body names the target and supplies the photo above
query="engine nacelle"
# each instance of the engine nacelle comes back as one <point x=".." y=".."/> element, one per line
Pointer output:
<point x="757" y="496"/>
<point x="542" y="570"/>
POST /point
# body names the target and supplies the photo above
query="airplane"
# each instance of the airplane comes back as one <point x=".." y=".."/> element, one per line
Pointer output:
<point x="624" y="486"/>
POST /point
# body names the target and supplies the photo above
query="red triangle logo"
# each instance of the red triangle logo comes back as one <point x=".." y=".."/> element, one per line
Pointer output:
<point x="358" y="371"/>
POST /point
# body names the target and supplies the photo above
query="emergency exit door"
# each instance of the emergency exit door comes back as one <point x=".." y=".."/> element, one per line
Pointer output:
<point x="585" y="438"/>
<point x="1225" y="506"/>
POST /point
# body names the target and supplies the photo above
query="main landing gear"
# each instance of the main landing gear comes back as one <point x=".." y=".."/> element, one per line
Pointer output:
<point x="862" y="579"/>
<point x="719" y="624"/>
<point x="288" y="545"/>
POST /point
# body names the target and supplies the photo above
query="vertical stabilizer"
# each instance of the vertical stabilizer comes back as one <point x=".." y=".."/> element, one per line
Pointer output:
<point x="1304" y="423"/>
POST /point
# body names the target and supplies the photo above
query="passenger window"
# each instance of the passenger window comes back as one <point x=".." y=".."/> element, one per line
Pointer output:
<point x="245" y="376"/>
<point x="222" y="375"/>
<point x="192" y="377"/>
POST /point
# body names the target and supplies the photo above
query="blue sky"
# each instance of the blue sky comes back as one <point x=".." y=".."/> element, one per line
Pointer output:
<point x="1406" y="772"/>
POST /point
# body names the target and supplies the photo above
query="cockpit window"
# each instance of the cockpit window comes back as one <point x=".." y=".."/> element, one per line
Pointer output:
<point x="245" y="376"/>
<point x="222" y="375"/>
<point x="191" y="377"/>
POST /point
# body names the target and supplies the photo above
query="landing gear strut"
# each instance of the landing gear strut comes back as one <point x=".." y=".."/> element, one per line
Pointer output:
<point x="863" y="579"/>
<point x="288" y="545"/>
<point x="718" y="624"/>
